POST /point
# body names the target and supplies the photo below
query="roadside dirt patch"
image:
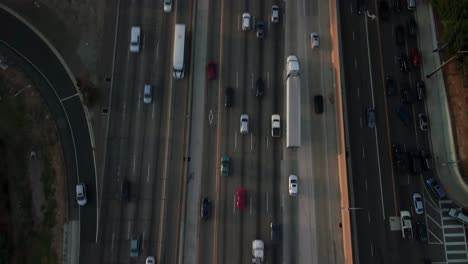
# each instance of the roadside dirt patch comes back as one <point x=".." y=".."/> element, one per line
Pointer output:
<point x="31" y="175"/>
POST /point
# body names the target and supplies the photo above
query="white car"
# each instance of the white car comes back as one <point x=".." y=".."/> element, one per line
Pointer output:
<point x="167" y="6"/>
<point x="274" y="14"/>
<point x="244" y="124"/>
<point x="418" y="203"/>
<point x="315" y="40"/>
<point x="246" y="21"/>
<point x="293" y="185"/>
<point x="147" y="94"/>
<point x="150" y="260"/>
<point x="81" y="194"/>
<point x="135" y="39"/>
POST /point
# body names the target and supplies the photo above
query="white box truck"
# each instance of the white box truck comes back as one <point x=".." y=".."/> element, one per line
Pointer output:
<point x="293" y="103"/>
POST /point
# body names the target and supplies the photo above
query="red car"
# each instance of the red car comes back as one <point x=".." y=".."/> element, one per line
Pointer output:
<point x="241" y="198"/>
<point x="415" y="57"/>
<point x="211" y="70"/>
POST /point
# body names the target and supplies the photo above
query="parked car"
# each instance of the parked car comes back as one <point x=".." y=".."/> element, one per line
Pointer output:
<point x="167" y="6"/>
<point x="421" y="231"/>
<point x="228" y="97"/>
<point x="400" y="35"/>
<point x="81" y="197"/>
<point x="423" y="122"/>
<point x="205" y="208"/>
<point x="371" y="117"/>
<point x="384" y="10"/>
<point x="399" y="156"/>
<point x="293" y="188"/>
<point x="434" y="184"/>
<point x="318" y="102"/>
<point x="241" y="198"/>
<point x="274" y="14"/>
<point x="390" y="85"/>
<point x="427" y="160"/>
<point x="403" y="61"/>
<point x="397" y="6"/>
<point x="315" y="40"/>
<point x="225" y="164"/>
<point x="412" y="27"/>
<point x="421" y="90"/>
<point x="418" y="203"/>
<point x="260" y="85"/>
<point x="415" y="57"/>
<point x="260" y="28"/>
<point x="211" y="70"/>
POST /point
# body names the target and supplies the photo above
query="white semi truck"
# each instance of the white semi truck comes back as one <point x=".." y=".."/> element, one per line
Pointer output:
<point x="179" y="50"/>
<point x="258" y="251"/>
<point x="293" y="103"/>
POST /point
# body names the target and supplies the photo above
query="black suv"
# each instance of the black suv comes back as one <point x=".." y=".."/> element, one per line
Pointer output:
<point x="397" y="5"/>
<point x="260" y="88"/>
<point x="399" y="157"/>
<point x="384" y="10"/>
<point x="421" y="89"/>
<point x="427" y="160"/>
<point x="318" y="100"/>
<point x="412" y="27"/>
<point x="415" y="162"/>
<point x="205" y="208"/>
<point x="390" y="85"/>
<point x="228" y="97"/>
<point x="400" y="35"/>
<point x="260" y="28"/>
<point x="403" y="61"/>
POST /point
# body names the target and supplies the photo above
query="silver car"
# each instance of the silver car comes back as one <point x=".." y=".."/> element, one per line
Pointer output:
<point x="244" y="124"/>
<point x="315" y="40"/>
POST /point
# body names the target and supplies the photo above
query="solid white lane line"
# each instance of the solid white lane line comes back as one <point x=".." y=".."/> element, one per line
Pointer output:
<point x="267" y="202"/>
<point x="148" y="173"/>
<point x="235" y="140"/>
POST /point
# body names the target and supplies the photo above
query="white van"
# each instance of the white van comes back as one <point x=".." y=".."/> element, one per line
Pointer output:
<point x="458" y="214"/>
<point x="411" y="5"/>
<point x="135" y="39"/>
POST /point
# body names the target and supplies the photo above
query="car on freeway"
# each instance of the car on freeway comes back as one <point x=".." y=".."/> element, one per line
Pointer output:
<point x="126" y="190"/>
<point x="371" y="117"/>
<point x="397" y="6"/>
<point x="228" y="97"/>
<point x="412" y="27"/>
<point x="399" y="156"/>
<point x="315" y="40"/>
<point x="205" y="208"/>
<point x="384" y="10"/>
<point x="427" y="160"/>
<point x="167" y="6"/>
<point x="421" y="230"/>
<point x="405" y="93"/>
<point x="275" y="14"/>
<point x="135" y="247"/>
<point x="260" y="28"/>
<point x="260" y="85"/>
<point x="400" y="35"/>
<point x="81" y="197"/>
<point x="390" y="85"/>
<point x="147" y="94"/>
<point x="244" y="124"/>
<point x="241" y="198"/>
<point x="150" y="260"/>
<point x="415" y="57"/>
<point x="245" y="21"/>
<point x="225" y="164"/>
<point x="293" y="188"/>
<point x="415" y="162"/>
<point x="403" y="114"/>
<point x="275" y="230"/>
<point x="418" y="203"/>
<point x="403" y="62"/>
<point x="435" y="186"/>
<point x="318" y="103"/>
<point x="211" y="69"/>
<point x="421" y="90"/>
<point x="423" y="122"/>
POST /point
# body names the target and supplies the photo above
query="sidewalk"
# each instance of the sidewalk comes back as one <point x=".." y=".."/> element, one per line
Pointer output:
<point x="441" y="136"/>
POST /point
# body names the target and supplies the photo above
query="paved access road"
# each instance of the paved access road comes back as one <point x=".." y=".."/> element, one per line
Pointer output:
<point x="380" y="192"/>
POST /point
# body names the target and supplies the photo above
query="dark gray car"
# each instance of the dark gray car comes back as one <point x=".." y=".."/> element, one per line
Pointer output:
<point x="260" y="28"/>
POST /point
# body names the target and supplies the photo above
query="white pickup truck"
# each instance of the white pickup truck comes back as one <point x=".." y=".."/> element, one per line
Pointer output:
<point x="275" y="125"/>
<point x="258" y="247"/>
<point x="406" y="225"/>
